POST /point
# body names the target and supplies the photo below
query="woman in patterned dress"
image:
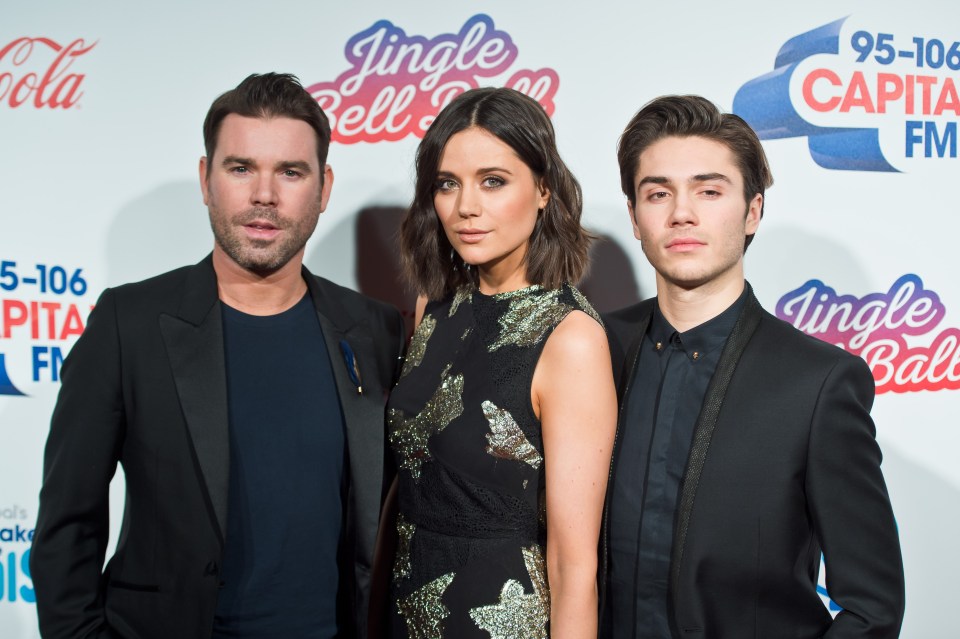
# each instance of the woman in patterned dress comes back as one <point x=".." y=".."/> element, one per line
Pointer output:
<point x="502" y="422"/>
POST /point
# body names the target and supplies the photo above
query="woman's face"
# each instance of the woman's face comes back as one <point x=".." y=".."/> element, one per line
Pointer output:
<point x="488" y="199"/>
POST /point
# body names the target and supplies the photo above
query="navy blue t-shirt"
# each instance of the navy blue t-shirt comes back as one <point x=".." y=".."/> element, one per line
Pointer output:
<point x="285" y="509"/>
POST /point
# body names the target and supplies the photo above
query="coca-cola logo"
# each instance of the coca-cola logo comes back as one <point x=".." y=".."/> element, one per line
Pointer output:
<point x="37" y="72"/>
<point x="397" y="84"/>
<point x="883" y="329"/>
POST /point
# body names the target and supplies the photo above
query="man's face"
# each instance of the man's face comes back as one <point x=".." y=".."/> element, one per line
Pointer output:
<point x="690" y="215"/>
<point x="265" y="190"/>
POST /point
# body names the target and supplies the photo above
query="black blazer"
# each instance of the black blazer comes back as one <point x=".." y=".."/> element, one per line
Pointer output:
<point x="783" y="464"/>
<point x="145" y="386"/>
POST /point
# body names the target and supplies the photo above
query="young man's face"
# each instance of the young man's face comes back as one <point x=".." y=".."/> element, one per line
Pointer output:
<point x="690" y="215"/>
<point x="265" y="190"/>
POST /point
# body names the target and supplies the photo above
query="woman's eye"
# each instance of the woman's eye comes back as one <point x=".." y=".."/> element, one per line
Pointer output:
<point x="493" y="182"/>
<point x="446" y="184"/>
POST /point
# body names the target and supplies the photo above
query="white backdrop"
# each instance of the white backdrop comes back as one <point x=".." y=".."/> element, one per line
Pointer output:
<point x="101" y="106"/>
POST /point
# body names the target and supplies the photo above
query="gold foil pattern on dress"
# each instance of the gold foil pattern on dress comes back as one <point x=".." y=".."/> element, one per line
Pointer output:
<point x="585" y="305"/>
<point x="463" y="294"/>
<point x="423" y="611"/>
<point x="409" y="436"/>
<point x="505" y="439"/>
<point x="401" y="565"/>
<point x="519" y="615"/>
<point x="418" y="344"/>
<point x="529" y="317"/>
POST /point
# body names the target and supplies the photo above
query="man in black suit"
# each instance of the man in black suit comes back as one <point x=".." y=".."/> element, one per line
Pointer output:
<point x="244" y="398"/>
<point x="744" y="447"/>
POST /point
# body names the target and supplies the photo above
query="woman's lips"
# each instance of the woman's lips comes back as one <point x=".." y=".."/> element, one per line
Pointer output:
<point x="471" y="236"/>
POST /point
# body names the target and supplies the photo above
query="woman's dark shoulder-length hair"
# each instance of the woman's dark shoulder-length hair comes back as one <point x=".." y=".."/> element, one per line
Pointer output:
<point x="558" y="245"/>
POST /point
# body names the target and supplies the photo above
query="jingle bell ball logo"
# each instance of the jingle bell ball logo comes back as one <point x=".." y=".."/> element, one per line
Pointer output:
<point x="893" y="331"/>
<point x="397" y="83"/>
<point x="40" y="73"/>
<point x="867" y="96"/>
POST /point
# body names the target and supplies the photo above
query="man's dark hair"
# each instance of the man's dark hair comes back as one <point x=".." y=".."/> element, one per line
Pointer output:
<point x="269" y="95"/>
<point x="558" y="244"/>
<point x="689" y="116"/>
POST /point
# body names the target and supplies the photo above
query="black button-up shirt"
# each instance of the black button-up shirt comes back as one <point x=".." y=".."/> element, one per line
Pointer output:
<point x="659" y="414"/>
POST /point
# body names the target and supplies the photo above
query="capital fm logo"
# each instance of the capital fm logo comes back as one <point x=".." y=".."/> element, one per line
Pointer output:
<point x="397" y="83"/>
<point x="43" y="310"/>
<point x="893" y="330"/>
<point x="40" y="73"/>
<point x="868" y="97"/>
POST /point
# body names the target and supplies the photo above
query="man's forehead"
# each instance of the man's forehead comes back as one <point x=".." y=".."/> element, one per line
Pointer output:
<point x="679" y="158"/>
<point x="267" y="135"/>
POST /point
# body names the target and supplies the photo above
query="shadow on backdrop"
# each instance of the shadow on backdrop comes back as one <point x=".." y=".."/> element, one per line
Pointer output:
<point x="610" y="283"/>
<point x="165" y="228"/>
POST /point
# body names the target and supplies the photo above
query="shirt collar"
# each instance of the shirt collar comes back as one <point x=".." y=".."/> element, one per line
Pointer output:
<point x="699" y="340"/>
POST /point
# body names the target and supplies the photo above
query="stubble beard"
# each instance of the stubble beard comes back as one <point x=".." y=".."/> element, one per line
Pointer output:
<point x="262" y="257"/>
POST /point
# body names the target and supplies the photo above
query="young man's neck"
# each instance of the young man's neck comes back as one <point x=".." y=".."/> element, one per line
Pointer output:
<point x="257" y="294"/>
<point x="688" y="308"/>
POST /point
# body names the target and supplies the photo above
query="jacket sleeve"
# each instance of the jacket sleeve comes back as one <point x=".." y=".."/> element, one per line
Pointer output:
<point x="86" y="433"/>
<point x="851" y="510"/>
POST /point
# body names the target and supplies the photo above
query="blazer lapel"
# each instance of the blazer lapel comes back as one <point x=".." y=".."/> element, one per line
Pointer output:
<point x="627" y="371"/>
<point x="361" y="400"/>
<point x="703" y="430"/>
<point x="194" y="342"/>
<point x="631" y="357"/>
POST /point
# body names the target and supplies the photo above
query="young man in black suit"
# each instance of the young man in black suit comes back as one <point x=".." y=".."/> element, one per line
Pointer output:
<point x="744" y="447"/>
<point x="244" y="398"/>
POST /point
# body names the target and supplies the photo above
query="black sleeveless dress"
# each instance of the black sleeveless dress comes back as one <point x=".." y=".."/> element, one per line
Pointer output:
<point x="469" y="451"/>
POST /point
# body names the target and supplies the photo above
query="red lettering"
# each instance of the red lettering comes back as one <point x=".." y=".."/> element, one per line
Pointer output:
<point x="55" y="87"/>
<point x="14" y="314"/>
<point x="808" y="96"/>
<point x="857" y="95"/>
<point x="909" y="96"/>
<point x="43" y="320"/>
<point x="898" y="368"/>
<point x="925" y="82"/>
<point x="73" y="325"/>
<point x="889" y="87"/>
<point x="949" y="100"/>
<point x="51" y="309"/>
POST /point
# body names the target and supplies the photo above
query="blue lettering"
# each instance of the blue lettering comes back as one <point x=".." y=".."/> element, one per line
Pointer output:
<point x="933" y="139"/>
<point x="47" y="357"/>
<point x="26" y="592"/>
<point x="913" y="138"/>
<point x="11" y="577"/>
<point x="8" y="578"/>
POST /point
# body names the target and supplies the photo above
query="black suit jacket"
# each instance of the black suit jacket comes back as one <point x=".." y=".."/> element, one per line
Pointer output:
<point x="145" y="386"/>
<point x="783" y="464"/>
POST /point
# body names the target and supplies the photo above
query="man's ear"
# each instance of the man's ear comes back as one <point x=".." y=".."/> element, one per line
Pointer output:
<point x="204" y="187"/>
<point x="754" y="213"/>
<point x="633" y="220"/>
<point x="326" y="187"/>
